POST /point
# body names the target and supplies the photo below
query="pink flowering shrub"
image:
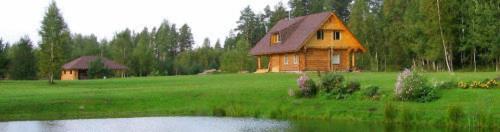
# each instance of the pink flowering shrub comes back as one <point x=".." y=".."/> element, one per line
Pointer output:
<point x="307" y="87"/>
<point x="412" y="86"/>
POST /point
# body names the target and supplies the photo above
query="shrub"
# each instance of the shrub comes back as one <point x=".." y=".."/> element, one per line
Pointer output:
<point x="372" y="91"/>
<point x="445" y="84"/>
<point x="485" y="84"/>
<point x="463" y="85"/>
<point x="353" y="86"/>
<point x="390" y="112"/>
<point x="331" y="81"/>
<point x="411" y="86"/>
<point x="307" y="87"/>
<point x="455" y="114"/>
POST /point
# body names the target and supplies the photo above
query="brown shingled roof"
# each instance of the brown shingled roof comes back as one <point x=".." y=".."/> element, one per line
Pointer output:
<point x="83" y="62"/>
<point x="295" y="32"/>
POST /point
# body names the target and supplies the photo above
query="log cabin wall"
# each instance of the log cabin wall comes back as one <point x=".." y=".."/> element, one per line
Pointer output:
<point x="69" y="75"/>
<point x="292" y="65"/>
<point x="317" y="59"/>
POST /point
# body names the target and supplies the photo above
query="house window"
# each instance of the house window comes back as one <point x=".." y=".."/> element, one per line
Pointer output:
<point x="295" y="59"/>
<point x="70" y="72"/>
<point x="286" y="59"/>
<point x="64" y="71"/>
<point x="336" y="35"/>
<point x="336" y="59"/>
<point x="320" y="34"/>
<point x="276" y="38"/>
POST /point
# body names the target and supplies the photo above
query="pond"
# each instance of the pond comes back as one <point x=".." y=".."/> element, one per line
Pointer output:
<point x="197" y="124"/>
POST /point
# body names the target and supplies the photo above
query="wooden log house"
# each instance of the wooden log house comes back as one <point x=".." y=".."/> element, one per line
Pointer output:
<point x="316" y="42"/>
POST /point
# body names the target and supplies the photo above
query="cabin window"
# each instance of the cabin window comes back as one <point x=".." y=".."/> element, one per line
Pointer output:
<point x="336" y="59"/>
<point x="286" y="59"/>
<point x="276" y="38"/>
<point x="320" y="34"/>
<point x="70" y="72"/>
<point x="64" y="71"/>
<point x="295" y="59"/>
<point x="336" y="35"/>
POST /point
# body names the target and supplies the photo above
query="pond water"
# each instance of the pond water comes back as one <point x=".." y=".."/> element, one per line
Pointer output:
<point x="147" y="124"/>
<point x="202" y="124"/>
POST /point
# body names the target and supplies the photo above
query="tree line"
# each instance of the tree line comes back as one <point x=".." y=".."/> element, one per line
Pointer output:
<point x="434" y="35"/>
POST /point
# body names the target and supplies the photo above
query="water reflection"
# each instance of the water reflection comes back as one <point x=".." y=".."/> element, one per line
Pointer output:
<point x="150" y="124"/>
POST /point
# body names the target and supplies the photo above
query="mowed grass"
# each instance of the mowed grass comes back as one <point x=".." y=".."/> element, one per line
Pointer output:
<point x="248" y="95"/>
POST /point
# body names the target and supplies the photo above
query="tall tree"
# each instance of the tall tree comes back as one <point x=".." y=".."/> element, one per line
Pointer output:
<point x="23" y="62"/>
<point x="186" y="41"/>
<point x="122" y="47"/>
<point x="82" y="45"/>
<point x="143" y="54"/>
<point x="251" y="26"/>
<point x="237" y="59"/>
<point x="55" y="38"/>
<point x="3" y="58"/>
<point x="279" y="13"/>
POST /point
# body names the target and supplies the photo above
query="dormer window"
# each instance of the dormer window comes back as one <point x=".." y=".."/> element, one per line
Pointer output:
<point x="336" y="35"/>
<point x="320" y="35"/>
<point x="276" y="38"/>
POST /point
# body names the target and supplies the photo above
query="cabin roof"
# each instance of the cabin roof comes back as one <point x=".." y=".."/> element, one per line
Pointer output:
<point x="82" y="63"/>
<point x="295" y="32"/>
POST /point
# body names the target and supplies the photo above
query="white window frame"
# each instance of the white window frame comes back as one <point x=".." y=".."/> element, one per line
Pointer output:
<point x="335" y="59"/>
<point x="340" y="36"/>
<point x="285" y="59"/>
<point x="296" y="59"/>
<point x="278" y="38"/>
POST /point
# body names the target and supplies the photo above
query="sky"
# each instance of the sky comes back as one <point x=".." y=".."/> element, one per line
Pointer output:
<point x="104" y="18"/>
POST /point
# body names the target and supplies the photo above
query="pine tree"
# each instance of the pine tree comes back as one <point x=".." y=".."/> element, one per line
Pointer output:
<point x="23" y="62"/>
<point x="121" y="47"/>
<point x="4" y="47"/>
<point x="55" y="38"/>
<point x="186" y="41"/>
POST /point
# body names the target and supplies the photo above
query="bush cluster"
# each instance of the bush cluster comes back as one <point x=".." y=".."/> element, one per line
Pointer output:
<point x="372" y="92"/>
<point x="412" y="86"/>
<point x="335" y="85"/>
<point x="485" y="84"/>
<point x="307" y="87"/>
<point x="331" y="85"/>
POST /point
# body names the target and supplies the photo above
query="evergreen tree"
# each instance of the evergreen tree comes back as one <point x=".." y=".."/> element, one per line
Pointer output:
<point x="23" y="63"/>
<point x="186" y="41"/>
<point x="3" y="58"/>
<point x="55" y="38"/>
<point x="278" y="14"/>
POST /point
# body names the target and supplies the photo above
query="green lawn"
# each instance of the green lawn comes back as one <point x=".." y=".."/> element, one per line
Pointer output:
<point x="254" y="95"/>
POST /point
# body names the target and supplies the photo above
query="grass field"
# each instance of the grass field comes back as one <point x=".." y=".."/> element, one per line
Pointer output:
<point x="251" y="95"/>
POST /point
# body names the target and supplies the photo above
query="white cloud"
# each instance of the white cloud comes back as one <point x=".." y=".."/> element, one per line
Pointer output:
<point x="207" y="18"/>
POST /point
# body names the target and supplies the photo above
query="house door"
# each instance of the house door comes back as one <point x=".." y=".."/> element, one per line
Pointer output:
<point x="275" y="63"/>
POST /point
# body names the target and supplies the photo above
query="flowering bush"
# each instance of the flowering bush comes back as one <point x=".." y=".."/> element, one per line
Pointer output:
<point x="411" y="86"/>
<point x="307" y="87"/>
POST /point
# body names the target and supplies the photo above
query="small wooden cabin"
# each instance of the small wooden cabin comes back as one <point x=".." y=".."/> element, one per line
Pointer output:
<point x="316" y="42"/>
<point x="77" y="69"/>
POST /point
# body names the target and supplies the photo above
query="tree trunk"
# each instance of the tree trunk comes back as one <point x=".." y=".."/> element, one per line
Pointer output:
<point x="376" y="59"/>
<point x="474" y="59"/>
<point x="498" y="64"/>
<point x="442" y="38"/>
